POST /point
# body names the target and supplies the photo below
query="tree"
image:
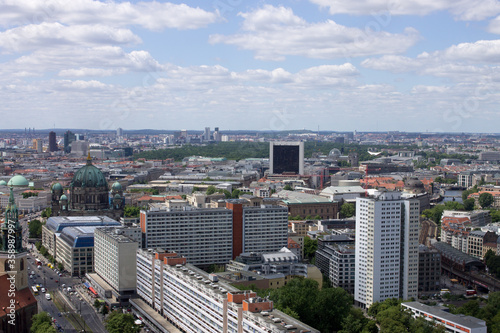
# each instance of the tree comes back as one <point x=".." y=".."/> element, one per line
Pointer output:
<point x="211" y="190"/>
<point x="35" y="229"/>
<point x="469" y="204"/>
<point x="354" y="322"/>
<point x="97" y="304"/>
<point x="121" y="323"/>
<point x="288" y="187"/>
<point x="485" y="200"/>
<point x="328" y="317"/>
<point x="347" y="210"/>
<point x="310" y="247"/>
<point x="131" y="211"/>
<point x="60" y="266"/>
<point x="42" y="323"/>
<point x="235" y="194"/>
<point x="47" y="212"/>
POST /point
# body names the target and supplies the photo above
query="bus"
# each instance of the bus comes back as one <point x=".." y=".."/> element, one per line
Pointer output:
<point x="35" y="290"/>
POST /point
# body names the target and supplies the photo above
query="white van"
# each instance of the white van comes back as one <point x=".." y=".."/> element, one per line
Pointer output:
<point x="47" y="296"/>
<point x="43" y="290"/>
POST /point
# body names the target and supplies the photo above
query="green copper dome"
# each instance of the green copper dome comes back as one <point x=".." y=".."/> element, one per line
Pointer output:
<point x="18" y="180"/>
<point x="116" y="186"/>
<point x="89" y="176"/>
<point x="3" y="183"/>
<point x="57" y="187"/>
<point x="64" y="197"/>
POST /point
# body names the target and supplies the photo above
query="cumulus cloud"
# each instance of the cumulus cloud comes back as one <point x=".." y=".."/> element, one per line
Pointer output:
<point x="275" y="32"/>
<point x="50" y="35"/>
<point x="150" y="15"/>
<point x="460" y="9"/>
<point x="461" y="62"/>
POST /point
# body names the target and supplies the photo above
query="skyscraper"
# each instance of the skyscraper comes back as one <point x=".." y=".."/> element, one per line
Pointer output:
<point x="119" y="132"/>
<point x="386" y="248"/>
<point x="52" y="141"/>
<point x="206" y="135"/>
<point x="68" y="138"/>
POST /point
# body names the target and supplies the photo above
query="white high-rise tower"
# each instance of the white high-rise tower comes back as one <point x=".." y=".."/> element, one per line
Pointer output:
<point x="386" y="248"/>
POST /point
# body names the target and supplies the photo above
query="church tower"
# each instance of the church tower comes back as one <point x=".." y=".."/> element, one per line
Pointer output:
<point x="12" y="253"/>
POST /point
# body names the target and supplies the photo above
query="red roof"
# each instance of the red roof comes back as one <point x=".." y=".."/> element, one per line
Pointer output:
<point x="23" y="297"/>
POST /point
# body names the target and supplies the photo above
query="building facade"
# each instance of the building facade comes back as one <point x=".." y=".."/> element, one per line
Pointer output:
<point x="386" y="248"/>
<point x="429" y="269"/>
<point x="195" y="301"/>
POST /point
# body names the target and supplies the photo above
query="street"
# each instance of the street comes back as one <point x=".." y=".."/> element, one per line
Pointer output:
<point x="73" y="302"/>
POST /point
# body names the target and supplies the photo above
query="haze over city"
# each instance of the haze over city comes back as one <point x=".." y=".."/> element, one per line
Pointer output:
<point x="334" y="65"/>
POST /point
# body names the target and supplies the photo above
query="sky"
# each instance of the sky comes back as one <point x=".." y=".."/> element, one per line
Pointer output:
<point x="332" y="65"/>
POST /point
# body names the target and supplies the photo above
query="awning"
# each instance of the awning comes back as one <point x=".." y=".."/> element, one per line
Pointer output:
<point x="86" y="284"/>
<point x="93" y="291"/>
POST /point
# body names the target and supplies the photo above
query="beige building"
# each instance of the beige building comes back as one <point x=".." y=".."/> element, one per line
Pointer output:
<point x="75" y="250"/>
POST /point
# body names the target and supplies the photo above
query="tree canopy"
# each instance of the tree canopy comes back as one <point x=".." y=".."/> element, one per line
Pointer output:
<point x="35" y="229"/>
<point x="347" y="210"/>
<point x="42" y="323"/>
<point x="486" y="200"/>
<point x="323" y="309"/>
<point x="131" y="211"/>
<point x="118" y="322"/>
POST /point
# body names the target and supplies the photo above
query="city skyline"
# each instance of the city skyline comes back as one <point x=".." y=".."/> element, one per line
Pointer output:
<point x="367" y="66"/>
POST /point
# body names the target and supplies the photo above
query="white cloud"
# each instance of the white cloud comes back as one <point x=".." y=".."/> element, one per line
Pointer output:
<point x="150" y="15"/>
<point x="50" y="35"/>
<point x="275" y="32"/>
<point x="461" y="9"/>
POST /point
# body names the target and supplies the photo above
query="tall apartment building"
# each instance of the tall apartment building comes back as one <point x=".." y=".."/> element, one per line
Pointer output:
<point x="195" y="301"/>
<point x="262" y="228"/>
<point x="203" y="236"/>
<point x="216" y="235"/>
<point x="386" y="248"/>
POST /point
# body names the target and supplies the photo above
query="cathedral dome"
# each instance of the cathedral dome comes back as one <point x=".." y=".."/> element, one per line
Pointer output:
<point x="89" y="176"/>
<point x="3" y="183"/>
<point x="18" y="180"/>
<point x="63" y="197"/>
<point x="57" y="187"/>
<point x="116" y="186"/>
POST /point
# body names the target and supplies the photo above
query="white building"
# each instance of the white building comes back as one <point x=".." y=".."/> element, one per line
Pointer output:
<point x="386" y="248"/>
<point x="114" y="250"/>
<point x="452" y="323"/>
<point x="195" y="301"/>
<point x="203" y="236"/>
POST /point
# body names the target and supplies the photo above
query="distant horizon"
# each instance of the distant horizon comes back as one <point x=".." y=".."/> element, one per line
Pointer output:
<point x="298" y="131"/>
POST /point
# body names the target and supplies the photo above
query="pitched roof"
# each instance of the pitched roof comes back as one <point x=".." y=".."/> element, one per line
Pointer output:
<point x="23" y="297"/>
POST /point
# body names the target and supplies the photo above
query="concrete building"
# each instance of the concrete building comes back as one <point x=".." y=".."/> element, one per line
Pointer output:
<point x="440" y="315"/>
<point x="114" y="250"/>
<point x="286" y="157"/>
<point x="195" y="301"/>
<point x="429" y="269"/>
<point x="476" y="241"/>
<point x="338" y="263"/>
<point x="386" y="248"/>
<point x="262" y="228"/>
<point x="203" y="236"/>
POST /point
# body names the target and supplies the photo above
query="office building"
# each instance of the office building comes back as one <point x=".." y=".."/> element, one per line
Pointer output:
<point x="195" y="301"/>
<point x="206" y="134"/>
<point x="386" y="248"/>
<point x="119" y="132"/>
<point x="75" y="250"/>
<point x="429" y="269"/>
<point x="337" y="261"/>
<point x="442" y="316"/>
<point x="52" y="142"/>
<point x="69" y="137"/>
<point x="115" y="250"/>
<point x="56" y="224"/>
<point x="286" y="157"/>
